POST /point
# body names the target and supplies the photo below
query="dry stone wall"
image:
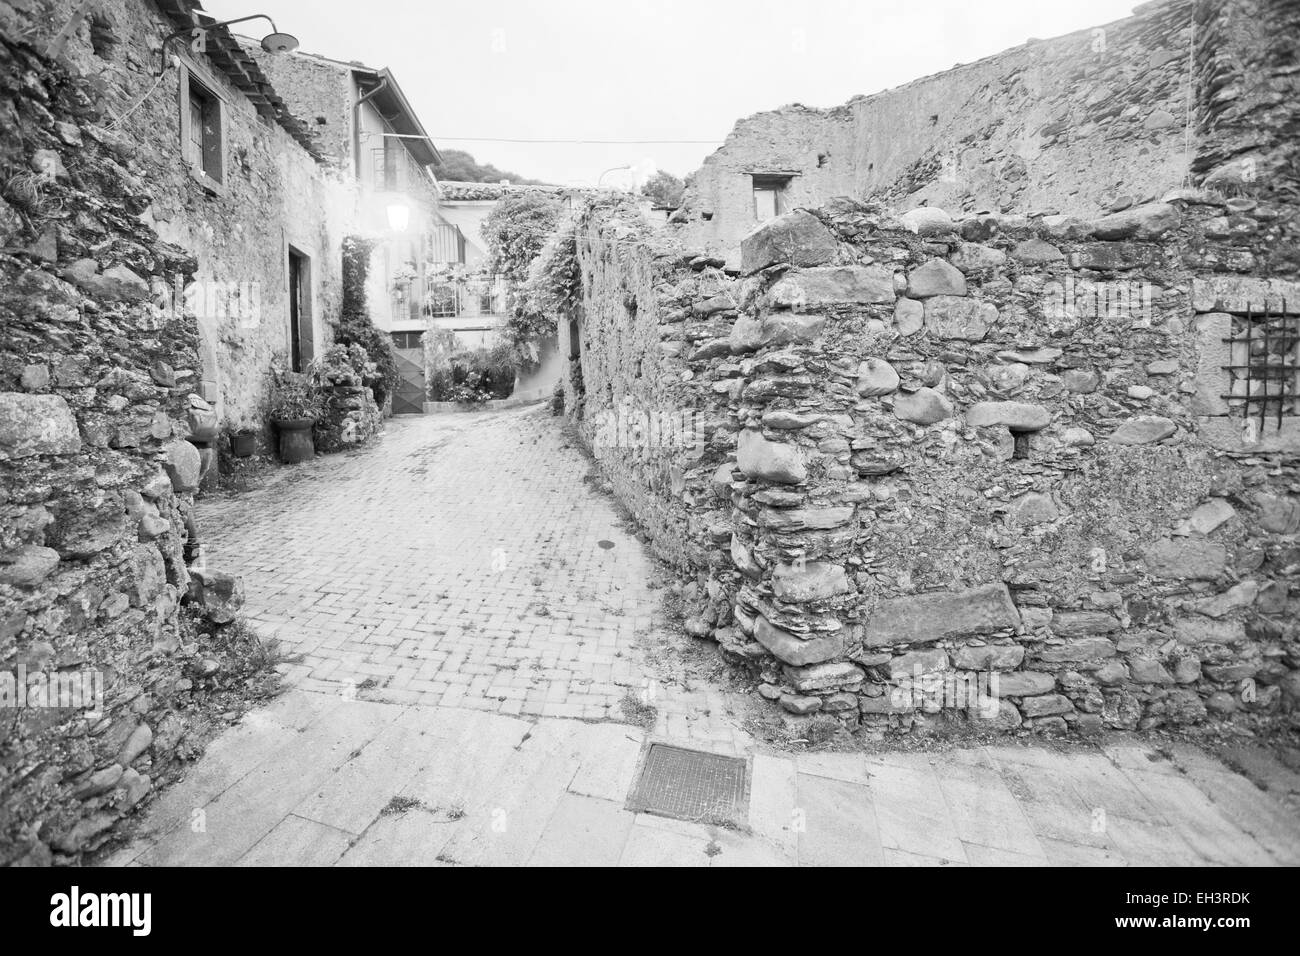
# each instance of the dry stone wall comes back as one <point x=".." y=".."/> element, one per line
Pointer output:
<point x="973" y="473"/>
<point x="98" y="394"/>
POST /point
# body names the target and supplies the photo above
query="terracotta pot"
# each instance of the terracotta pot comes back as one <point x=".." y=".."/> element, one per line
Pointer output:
<point x="295" y="440"/>
<point x="243" y="444"/>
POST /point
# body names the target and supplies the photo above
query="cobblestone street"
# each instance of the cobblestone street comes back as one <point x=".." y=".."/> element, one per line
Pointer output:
<point x="459" y="584"/>
<point x="485" y="576"/>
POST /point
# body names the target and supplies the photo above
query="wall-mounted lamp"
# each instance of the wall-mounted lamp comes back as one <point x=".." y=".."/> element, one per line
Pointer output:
<point x="273" y="42"/>
<point x="612" y="169"/>
<point x="399" y="217"/>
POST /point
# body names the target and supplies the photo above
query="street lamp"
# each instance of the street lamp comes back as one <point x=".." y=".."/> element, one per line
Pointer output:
<point x="273" y="42"/>
<point x="612" y="169"/>
<point x="399" y="217"/>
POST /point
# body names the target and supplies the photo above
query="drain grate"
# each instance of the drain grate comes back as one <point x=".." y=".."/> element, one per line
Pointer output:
<point x="691" y="785"/>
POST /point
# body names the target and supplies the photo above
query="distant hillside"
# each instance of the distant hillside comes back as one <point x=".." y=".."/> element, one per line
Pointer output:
<point x="459" y="166"/>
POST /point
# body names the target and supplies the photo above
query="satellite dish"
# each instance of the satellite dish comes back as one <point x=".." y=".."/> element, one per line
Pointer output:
<point x="279" y="43"/>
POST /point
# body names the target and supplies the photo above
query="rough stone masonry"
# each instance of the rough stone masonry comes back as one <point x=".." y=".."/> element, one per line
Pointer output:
<point x="97" y="398"/>
<point x="930" y="451"/>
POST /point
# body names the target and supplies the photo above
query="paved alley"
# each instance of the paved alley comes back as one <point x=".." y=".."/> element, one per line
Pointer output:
<point x="472" y="615"/>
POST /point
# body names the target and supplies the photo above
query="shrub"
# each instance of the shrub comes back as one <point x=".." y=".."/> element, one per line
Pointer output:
<point x="354" y="326"/>
<point x="439" y="347"/>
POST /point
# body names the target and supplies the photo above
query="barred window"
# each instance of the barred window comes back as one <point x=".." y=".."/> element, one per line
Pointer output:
<point x="1264" y="365"/>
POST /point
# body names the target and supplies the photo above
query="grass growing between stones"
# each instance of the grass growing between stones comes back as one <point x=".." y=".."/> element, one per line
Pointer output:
<point x="638" y="712"/>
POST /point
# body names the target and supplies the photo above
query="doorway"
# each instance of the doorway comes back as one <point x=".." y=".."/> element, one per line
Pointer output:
<point x="300" y="325"/>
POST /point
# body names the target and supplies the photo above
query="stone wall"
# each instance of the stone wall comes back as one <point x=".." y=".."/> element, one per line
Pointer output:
<point x="926" y="453"/>
<point x="1079" y="124"/>
<point x="98" y="392"/>
<point x="275" y="196"/>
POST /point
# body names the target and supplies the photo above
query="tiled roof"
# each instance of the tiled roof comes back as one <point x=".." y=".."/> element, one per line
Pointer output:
<point x="469" y="192"/>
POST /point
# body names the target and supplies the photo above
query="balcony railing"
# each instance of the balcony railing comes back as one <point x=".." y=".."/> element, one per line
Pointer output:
<point x="392" y="169"/>
<point x="467" y="297"/>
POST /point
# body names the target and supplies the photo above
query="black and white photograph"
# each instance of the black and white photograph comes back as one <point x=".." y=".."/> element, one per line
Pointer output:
<point x="718" y="434"/>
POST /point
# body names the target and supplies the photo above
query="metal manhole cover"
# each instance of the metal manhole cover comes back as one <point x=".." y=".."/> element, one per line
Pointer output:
<point x="691" y="785"/>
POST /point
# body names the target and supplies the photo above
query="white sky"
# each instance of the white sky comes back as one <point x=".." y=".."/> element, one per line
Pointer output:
<point x="647" y="69"/>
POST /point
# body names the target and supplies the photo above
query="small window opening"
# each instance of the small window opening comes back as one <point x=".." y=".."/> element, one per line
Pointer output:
<point x="769" y="196"/>
<point x="203" y="147"/>
<point x="1021" y="447"/>
<point x="1264" y="377"/>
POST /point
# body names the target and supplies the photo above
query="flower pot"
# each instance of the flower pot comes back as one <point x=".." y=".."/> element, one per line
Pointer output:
<point x="295" y="440"/>
<point x="243" y="444"/>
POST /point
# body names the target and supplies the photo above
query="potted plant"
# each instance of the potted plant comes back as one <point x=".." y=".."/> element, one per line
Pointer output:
<point x="295" y="406"/>
<point x="243" y="442"/>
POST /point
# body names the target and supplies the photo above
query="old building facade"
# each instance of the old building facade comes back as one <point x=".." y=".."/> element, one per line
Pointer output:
<point x="1075" y="125"/>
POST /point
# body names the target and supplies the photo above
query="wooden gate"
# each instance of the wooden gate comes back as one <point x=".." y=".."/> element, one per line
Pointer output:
<point x="408" y="398"/>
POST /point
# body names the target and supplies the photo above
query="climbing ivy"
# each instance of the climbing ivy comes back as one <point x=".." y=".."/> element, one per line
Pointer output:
<point x="355" y="326"/>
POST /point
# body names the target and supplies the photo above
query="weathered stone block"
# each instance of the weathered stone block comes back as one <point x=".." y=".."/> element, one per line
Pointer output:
<point x="1186" y="559"/>
<point x="927" y="221"/>
<point x="183" y="466"/>
<point x="1045" y="705"/>
<point x="1147" y="221"/>
<point x="746" y="335"/>
<point x="958" y="317"/>
<point x="936" y="277"/>
<point x="918" y="662"/>
<point x="1018" y="416"/>
<point x="909" y="316"/>
<point x="1024" y="684"/>
<point x="834" y="285"/>
<point x="800" y="705"/>
<point x="802" y="519"/>
<point x="876" y="377"/>
<point x="36" y="425"/>
<point x="925" y="406"/>
<point x="1143" y="430"/>
<point x="786" y="328"/>
<point x="772" y="461"/>
<point x="813" y="581"/>
<point x="1199" y="630"/>
<point x="28" y="566"/>
<point x="931" y="617"/>
<point x="792" y="649"/>
<point x="990" y="657"/>
<point x="824" y="676"/>
<point x="1036" y="252"/>
<point x="1083" y="649"/>
<point x="1278" y="514"/>
<point x="1084" y="623"/>
<point x="973" y="257"/>
<point x="220" y="593"/>
<point x="797" y="238"/>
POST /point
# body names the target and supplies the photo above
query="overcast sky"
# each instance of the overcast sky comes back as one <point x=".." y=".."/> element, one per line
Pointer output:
<point x="647" y="69"/>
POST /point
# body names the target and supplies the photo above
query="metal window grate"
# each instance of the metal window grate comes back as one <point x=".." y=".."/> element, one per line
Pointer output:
<point x="691" y="785"/>
<point x="1265" y="363"/>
